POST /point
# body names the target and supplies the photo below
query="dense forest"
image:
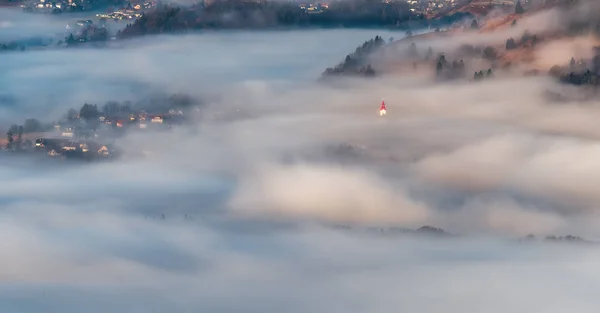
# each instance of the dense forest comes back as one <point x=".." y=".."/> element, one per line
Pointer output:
<point x="357" y="63"/>
<point x="579" y="72"/>
<point x="231" y="14"/>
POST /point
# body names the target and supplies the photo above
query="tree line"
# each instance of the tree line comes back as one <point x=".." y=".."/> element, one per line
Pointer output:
<point x="247" y="14"/>
<point x="357" y="63"/>
<point x="90" y="113"/>
<point x="447" y="70"/>
<point x="526" y="41"/>
<point x="579" y="73"/>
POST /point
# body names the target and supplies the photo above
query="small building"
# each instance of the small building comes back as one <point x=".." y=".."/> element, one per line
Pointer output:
<point x="382" y="109"/>
<point x="70" y="146"/>
<point x="103" y="151"/>
<point x="67" y="132"/>
<point x="52" y="153"/>
<point x="157" y="119"/>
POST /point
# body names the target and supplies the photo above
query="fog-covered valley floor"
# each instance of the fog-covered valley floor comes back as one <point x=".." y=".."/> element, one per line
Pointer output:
<point x="233" y="214"/>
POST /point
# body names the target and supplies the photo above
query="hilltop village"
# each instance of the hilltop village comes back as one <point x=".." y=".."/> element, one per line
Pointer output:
<point x="92" y="133"/>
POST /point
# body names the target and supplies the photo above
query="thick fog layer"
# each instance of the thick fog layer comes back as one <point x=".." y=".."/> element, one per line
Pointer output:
<point x="17" y="25"/>
<point x="232" y="214"/>
<point x="203" y="65"/>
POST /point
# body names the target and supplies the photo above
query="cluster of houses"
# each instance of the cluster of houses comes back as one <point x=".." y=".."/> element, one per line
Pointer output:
<point x="314" y="7"/>
<point x="90" y="133"/>
<point x="58" y="6"/>
<point x="131" y="11"/>
<point x="114" y="125"/>
<point x="432" y="6"/>
<point x="120" y="15"/>
<point x="57" y="147"/>
<point x="91" y="137"/>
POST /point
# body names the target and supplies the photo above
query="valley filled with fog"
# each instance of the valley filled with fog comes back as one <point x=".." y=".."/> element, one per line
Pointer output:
<point x="240" y="211"/>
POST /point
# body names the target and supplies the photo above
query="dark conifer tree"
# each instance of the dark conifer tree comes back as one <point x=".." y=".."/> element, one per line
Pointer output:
<point x="439" y="68"/>
<point x="429" y="54"/>
<point x="9" y="137"/>
<point x="519" y="8"/>
<point x="511" y="44"/>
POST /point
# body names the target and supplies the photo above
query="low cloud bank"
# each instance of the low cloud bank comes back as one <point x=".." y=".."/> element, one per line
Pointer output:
<point x="240" y="199"/>
<point x="333" y="194"/>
